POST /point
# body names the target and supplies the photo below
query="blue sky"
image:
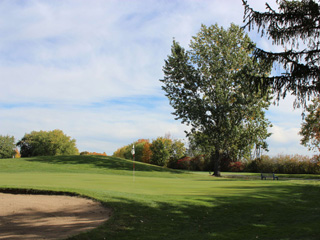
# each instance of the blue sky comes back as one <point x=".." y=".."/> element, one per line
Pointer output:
<point x="92" y="69"/>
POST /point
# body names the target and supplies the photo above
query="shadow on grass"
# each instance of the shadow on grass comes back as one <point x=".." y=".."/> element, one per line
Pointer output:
<point x="102" y="162"/>
<point x="269" y="213"/>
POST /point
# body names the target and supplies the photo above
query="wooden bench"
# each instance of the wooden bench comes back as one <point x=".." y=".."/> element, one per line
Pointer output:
<point x="264" y="176"/>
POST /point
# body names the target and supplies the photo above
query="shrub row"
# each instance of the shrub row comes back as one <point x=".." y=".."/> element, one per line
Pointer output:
<point x="284" y="164"/>
<point x="287" y="164"/>
<point x="93" y="153"/>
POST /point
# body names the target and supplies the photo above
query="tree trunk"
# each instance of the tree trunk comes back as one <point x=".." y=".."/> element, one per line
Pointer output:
<point x="216" y="164"/>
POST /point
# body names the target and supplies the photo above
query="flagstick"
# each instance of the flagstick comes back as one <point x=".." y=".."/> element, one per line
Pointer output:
<point x="133" y="155"/>
<point x="133" y="168"/>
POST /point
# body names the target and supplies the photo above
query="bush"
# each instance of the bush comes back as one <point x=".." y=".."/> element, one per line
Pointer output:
<point x="182" y="163"/>
<point x="197" y="163"/>
<point x="237" y="166"/>
<point x="93" y="153"/>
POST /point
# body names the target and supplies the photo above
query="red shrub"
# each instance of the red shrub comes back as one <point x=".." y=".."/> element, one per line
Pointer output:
<point x="236" y="166"/>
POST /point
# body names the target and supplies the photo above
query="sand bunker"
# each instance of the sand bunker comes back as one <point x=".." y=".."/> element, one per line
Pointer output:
<point x="48" y="216"/>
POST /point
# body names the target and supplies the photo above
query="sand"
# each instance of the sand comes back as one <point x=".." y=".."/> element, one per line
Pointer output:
<point x="48" y="216"/>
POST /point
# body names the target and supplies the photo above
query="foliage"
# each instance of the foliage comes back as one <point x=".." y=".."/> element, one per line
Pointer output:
<point x="197" y="163"/>
<point x="45" y="143"/>
<point x="17" y="153"/>
<point x="93" y="153"/>
<point x="183" y="163"/>
<point x="178" y="150"/>
<point x="146" y="152"/>
<point x="287" y="164"/>
<point x="310" y="129"/>
<point x="7" y="146"/>
<point x="237" y="166"/>
<point x="120" y="152"/>
<point x="296" y="23"/>
<point x="139" y="146"/>
<point x="84" y="153"/>
<point x="161" y="149"/>
<point x="208" y="89"/>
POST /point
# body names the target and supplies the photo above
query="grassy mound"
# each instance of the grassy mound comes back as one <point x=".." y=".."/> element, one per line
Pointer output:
<point x="158" y="203"/>
<point x="81" y="164"/>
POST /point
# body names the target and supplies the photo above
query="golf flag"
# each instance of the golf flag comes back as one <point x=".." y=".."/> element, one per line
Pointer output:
<point x="132" y="151"/>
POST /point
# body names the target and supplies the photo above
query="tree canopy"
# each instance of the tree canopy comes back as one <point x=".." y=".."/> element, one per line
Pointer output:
<point x="162" y="151"/>
<point x="208" y="89"/>
<point x="45" y="143"/>
<point x="7" y="146"/>
<point x="310" y="129"/>
<point x="296" y="23"/>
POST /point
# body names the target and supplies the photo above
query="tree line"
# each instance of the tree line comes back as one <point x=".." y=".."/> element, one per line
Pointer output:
<point x="162" y="151"/>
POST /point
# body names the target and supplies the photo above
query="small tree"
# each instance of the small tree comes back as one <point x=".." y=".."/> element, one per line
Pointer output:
<point x="7" y="146"/>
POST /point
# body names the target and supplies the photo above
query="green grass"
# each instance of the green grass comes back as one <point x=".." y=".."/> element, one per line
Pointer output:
<point x="158" y="203"/>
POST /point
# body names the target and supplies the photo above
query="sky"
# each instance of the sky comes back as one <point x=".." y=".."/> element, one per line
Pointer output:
<point x="92" y="69"/>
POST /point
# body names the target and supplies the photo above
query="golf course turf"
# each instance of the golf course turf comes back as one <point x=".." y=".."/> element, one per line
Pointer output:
<point x="159" y="203"/>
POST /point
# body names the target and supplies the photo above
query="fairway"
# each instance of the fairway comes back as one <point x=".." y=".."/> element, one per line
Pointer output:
<point x="158" y="203"/>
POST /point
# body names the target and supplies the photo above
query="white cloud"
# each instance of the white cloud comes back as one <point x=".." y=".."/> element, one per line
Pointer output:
<point x="281" y="135"/>
<point x="286" y="121"/>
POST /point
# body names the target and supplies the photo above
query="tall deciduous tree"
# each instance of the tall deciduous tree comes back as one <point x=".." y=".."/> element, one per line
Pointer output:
<point x="45" y="143"/>
<point x="7" y="146"/>
<point x="310" y="129"/>
<point x="296" y="22"/>
<point x="206" y="86"/>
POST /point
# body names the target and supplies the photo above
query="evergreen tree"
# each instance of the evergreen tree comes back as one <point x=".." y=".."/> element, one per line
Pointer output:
<point x="295" y="23"/>
<point x="209" y="92"/>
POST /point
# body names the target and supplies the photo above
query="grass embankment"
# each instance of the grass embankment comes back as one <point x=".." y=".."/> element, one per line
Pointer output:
<point x="158" y="203"/>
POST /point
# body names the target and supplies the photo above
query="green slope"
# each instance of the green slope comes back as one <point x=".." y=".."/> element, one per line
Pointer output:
<point x="84" y="164"/>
